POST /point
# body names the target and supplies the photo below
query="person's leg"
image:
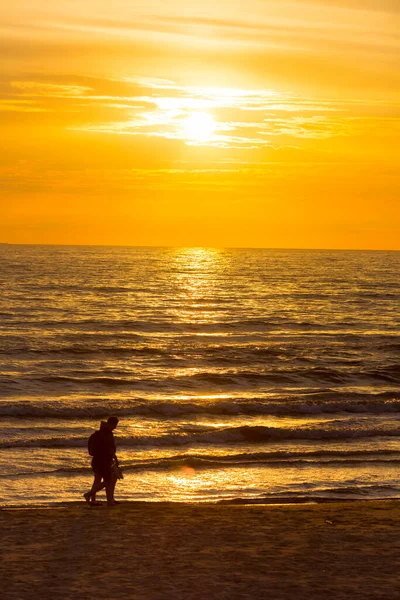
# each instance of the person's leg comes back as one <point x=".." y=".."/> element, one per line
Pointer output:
<point x="101" y="486"/>
<point x="98" y="485"/>
<point x="110" y="487"/>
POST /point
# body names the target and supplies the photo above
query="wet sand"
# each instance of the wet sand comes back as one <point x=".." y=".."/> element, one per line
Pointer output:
<point x="158" y="551"/>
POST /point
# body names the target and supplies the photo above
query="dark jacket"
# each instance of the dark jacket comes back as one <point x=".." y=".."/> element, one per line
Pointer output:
<point x="103" y="444"/>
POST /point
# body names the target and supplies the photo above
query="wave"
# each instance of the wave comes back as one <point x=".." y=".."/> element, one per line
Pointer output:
<point x="279" y="458"/>
<point x="93" y="349"/>
<point x="245" y="434"/>
<point x="390" y="347"/>
<point x="319" y="495"/>
<point x="216" y="461"/>
<point x="220" y="353"/>
<point x="342" y="329"/>
<point x="219" y="379"/>
<point x="106" y="381"/>
<point x="323" y="403"/>
<point x="260" y="434"/>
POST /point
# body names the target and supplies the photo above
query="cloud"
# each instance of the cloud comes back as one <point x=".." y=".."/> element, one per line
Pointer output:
<point x="24" y="106"/>
<point x="152" y="107"/>
<point x="35" y="89"/>
<point x="306" y="25"/>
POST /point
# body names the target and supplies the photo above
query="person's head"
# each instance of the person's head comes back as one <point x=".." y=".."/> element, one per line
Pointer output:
<point x="112" y="422"/>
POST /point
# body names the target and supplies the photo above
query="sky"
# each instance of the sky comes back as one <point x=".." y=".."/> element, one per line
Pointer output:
<point x="245" y="124"/>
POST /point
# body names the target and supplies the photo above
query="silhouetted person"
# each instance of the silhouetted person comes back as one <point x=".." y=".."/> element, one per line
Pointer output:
<point x="102" y="448"/>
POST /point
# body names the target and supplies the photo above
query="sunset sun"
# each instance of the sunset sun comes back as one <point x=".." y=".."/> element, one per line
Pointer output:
<point x="199" y="127"/>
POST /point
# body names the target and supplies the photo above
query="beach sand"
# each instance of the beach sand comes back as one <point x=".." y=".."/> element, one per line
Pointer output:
<point x="178" y="551"/>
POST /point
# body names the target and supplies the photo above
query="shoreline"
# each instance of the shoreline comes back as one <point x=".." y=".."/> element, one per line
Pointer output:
<point x="279" y="501"/>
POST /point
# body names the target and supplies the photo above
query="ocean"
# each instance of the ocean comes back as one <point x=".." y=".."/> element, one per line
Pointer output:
<point x="263" y="375"/>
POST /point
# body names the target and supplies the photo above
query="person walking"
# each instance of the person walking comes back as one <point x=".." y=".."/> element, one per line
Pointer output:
<point x="102" y="447"/>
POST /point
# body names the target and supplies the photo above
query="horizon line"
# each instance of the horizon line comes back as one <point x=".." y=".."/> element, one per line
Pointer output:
<point x="200" y="246"/>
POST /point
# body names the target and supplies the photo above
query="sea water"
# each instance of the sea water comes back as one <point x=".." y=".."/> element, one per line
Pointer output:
<point x="236" y="373"/>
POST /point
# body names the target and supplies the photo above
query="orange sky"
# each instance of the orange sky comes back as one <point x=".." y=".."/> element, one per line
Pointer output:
<point x="259" y="123"/>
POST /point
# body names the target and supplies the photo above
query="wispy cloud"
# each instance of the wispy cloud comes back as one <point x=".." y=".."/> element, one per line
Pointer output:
<point x="20" y="106"/>
<point x="151" y="107"/>
<point x="37" y="89"/>
<point x="286" y="24"/>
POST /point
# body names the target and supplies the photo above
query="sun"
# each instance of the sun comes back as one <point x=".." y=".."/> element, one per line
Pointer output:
<point x="199" y="127"/>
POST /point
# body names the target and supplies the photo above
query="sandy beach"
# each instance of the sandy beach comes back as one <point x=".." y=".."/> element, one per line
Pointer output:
<point x="167" y="551"/>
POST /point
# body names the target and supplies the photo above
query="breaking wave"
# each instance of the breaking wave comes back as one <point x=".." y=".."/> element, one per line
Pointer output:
<point x="323" y="403"/>
<point x="248" y="434"/>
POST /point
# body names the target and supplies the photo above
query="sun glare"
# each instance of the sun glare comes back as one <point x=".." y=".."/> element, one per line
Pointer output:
<point x="199" y="127"/>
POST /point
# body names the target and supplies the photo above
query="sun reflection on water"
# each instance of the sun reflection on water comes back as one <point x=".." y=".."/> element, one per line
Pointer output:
<point x="196" y="273"/>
